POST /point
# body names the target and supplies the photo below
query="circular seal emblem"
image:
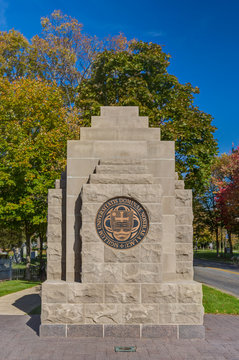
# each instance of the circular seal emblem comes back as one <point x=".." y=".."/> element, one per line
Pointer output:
<point x="122" y="223"/>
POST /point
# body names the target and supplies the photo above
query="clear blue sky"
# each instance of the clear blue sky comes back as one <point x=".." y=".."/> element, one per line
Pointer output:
<point x="202" y="37"/>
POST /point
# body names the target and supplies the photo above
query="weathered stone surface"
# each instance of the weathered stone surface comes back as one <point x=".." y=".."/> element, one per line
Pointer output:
<point x="113" y="273"/>
<point x="184" y="269"/>
<point x="115" y="122"/>
<point x="159" y="331"/>
<point x="184" y="252"/>
<point x="54" y="232"/>
<point x="89" y="211"/>
<point x="146" y="285"/>
<point x="167" y="314"/>
<point x="122" y="112"/>
<point x="54" y="251"/>
<point x="78" y="167"/>
<point x="92" y="253"/>
<point x="189" y="314"/>
<point x="168" y="185"/>
<point x="54" y="292"/>
<point x="168" y="205"/>
<point x="163" y="168"/>
<point x="154" y="212"/>
<point x="54" y="215"/>
<point x="142" y="193"/>
<point x="122" y="331"/>
<point x="184" y="215"/>
<point x="191" y="332"/>
<point x="179" y="184"/>
<point x="121" y="179"/>
<point x="103" y="313"/>
<point x="119" y="134"/>
<point x="158" y="293"/>
<point x="183" y="197"/>
<point x="190" y="292"/>
<point x="151" y="273"/>
<point x="102" y="273"/>
<point x="150" y="253"/>
<point x="74" y="185"/>
<point x="168" y="223"/>
<point x="161" y="149"/>
<point x="52" y="330"/>
<point x="62" y="313"/>
<point x="169" y="264"/>
<point x="93" y="273"/>
<point x="140" y="314"/>
<point x="122" y="161"/>
<point x="55" y="197"/>
<point x="85" y="293"/>
<point x="184" y="234"/>
<point x="131" y="273"/>
<point x="121" y="169"/>
<point x="154" y="234"/>
<point x="98" y="193"/>
<point x="85" y="330"/>
<point x="122" y="293"/>
<point x="73" y="205"/>
<point x="88" y="233"/>
<point x="129" y="256"/>
<point x="54" y="270"/>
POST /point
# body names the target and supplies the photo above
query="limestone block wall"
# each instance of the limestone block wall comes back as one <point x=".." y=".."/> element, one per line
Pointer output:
<point x="184" y="234"/>
<point x="54" y="235"/>
<point x="147" y="290"/>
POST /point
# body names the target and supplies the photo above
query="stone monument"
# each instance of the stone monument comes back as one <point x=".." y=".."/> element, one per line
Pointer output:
<point x="120" y="237"/>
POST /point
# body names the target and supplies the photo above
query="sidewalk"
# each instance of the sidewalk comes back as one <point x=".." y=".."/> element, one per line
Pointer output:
<point x="19" y="340"/>
<point x="21" y="302"/>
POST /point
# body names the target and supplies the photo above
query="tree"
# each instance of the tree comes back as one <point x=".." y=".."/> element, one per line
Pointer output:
<point x="207" y="215"/>
<point x="14" y="55"/>
<point x="138" y="76"/>
<point x="63" y="53"/>
<point x="227" y="179"/>
<point x="35" y="125"/>
<point x="10" y="237"/>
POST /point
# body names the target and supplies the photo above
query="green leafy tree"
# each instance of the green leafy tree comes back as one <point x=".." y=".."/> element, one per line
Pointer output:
<point x="62" y="53"/>
<point x="14" y="55"/>
<point x="35" y="126"/>
<point x="139" y="76"/>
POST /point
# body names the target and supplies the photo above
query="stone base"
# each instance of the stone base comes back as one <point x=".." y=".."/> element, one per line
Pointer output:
<point x="171" y="332"/>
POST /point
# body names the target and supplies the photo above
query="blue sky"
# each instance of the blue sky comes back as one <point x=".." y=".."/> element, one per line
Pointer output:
<point x="201" y="36"/>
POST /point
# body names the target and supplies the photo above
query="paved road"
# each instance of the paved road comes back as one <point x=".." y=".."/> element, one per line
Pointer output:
<point x="220" y="275"/>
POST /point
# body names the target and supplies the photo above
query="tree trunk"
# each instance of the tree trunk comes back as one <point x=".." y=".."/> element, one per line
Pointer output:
<point x="28" y="244"/>
<point x="217" y="241"/>
<point x="221" y="243"/>
<point x="230" y="241"/>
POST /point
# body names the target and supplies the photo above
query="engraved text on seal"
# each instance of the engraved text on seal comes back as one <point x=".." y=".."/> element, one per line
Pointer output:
<point x="122" y="223"/>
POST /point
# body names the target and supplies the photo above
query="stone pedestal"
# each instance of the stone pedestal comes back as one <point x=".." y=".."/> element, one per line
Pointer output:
<point x="120" y="237"/>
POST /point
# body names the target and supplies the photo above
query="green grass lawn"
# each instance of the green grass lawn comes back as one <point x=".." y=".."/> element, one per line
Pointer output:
<point x="217" y="302"/>
<point x="19" y="266"/>
<point x="12" y="286"/>
<point x="212" y="255"/>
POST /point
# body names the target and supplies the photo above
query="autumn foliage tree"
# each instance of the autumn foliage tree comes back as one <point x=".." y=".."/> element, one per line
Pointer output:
<point x="35" y="126"/>
<point x="227" y="198"/>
